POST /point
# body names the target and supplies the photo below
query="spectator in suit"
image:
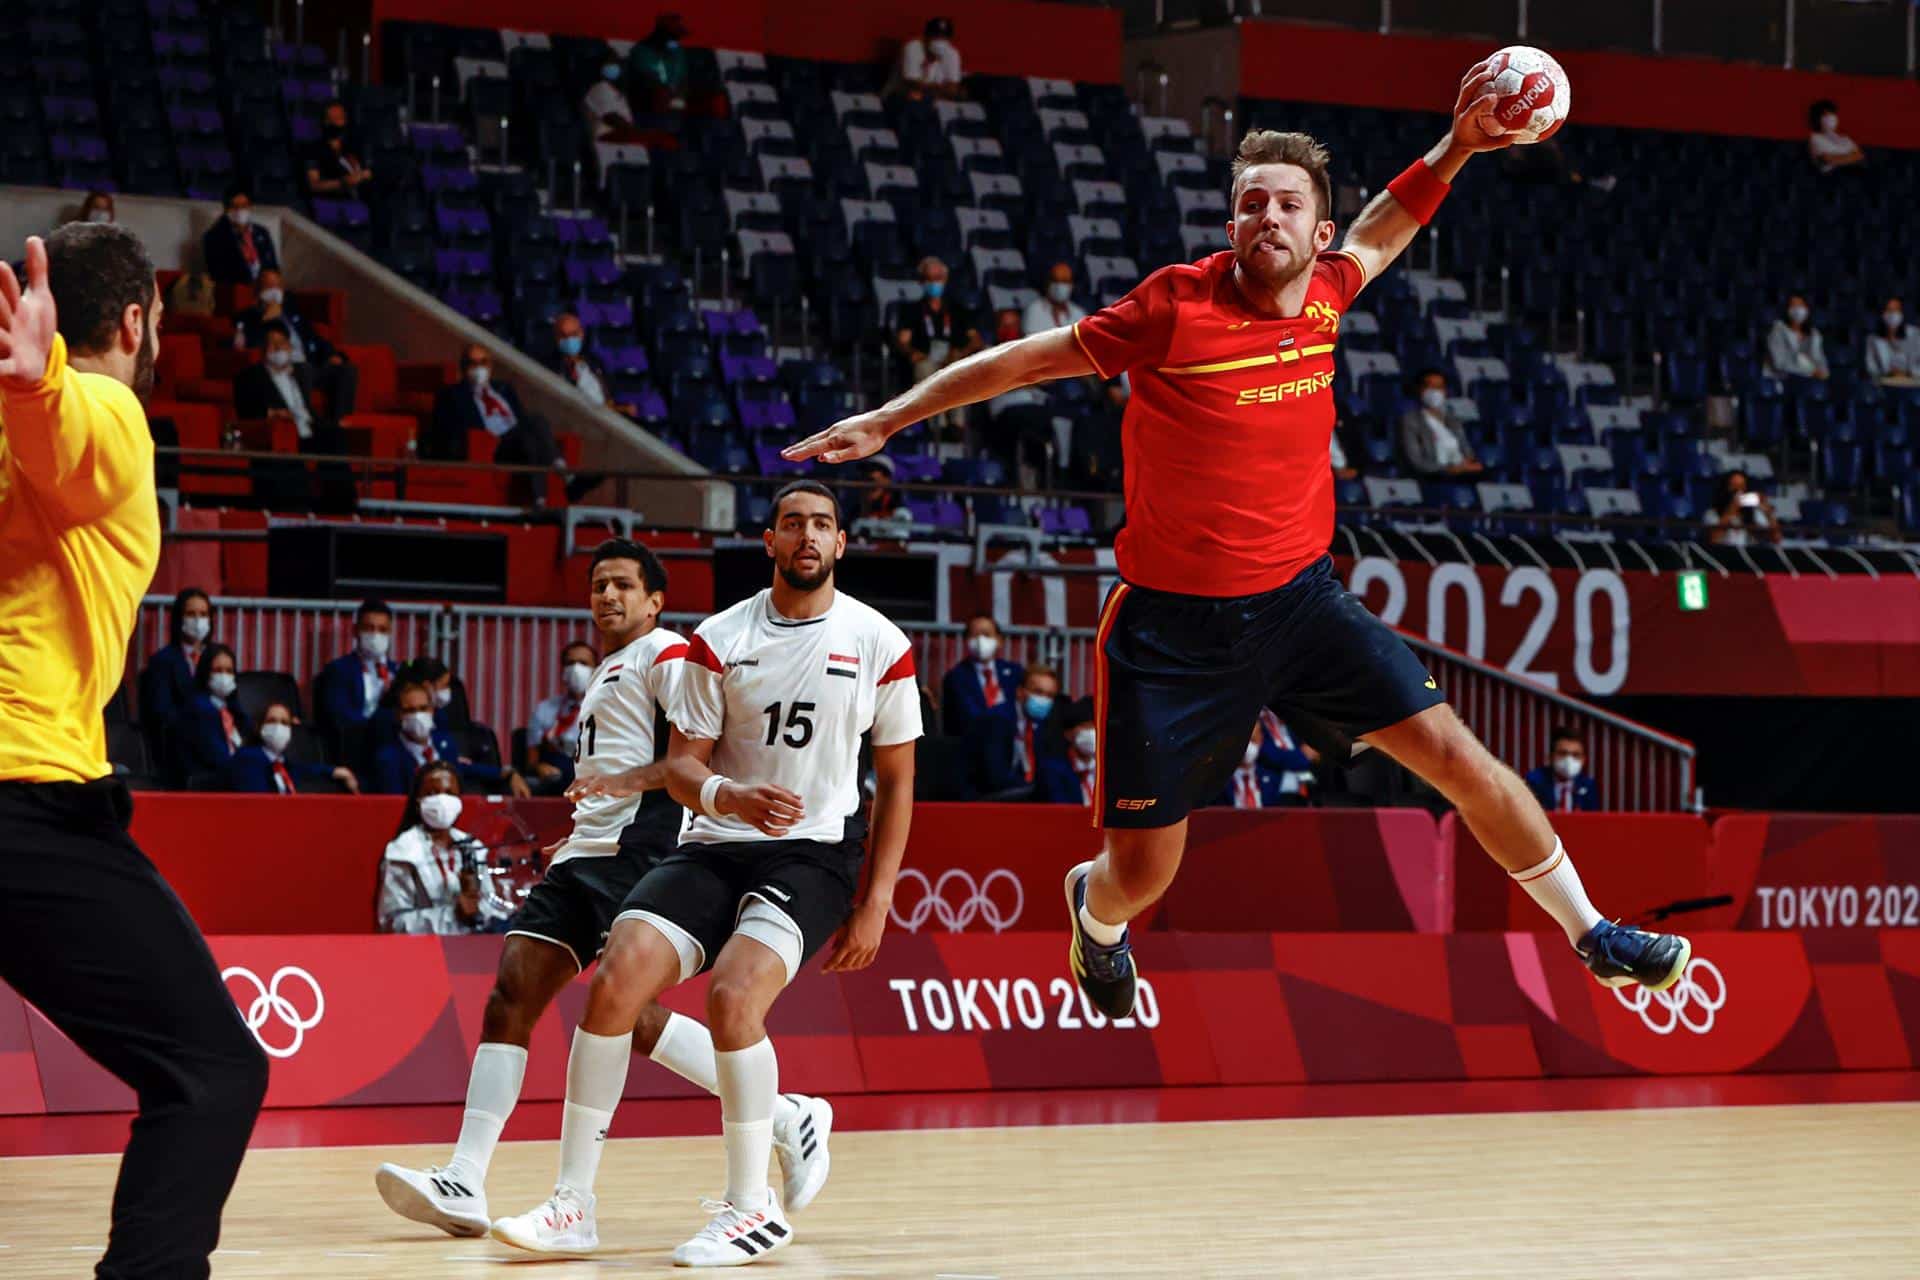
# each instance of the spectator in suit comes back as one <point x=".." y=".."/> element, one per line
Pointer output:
<point x="1056" y="306"/>
<point x="980" y="681"/>
<point x="262" y="767"/>
<point x="1563" y="785"/>
<point x="1893" y="354"/>
<point x="237" y="251"/>
<point x="167" y="684"/>
<point x="97" y="207"/>
<point x="929" y="67"/>
<point x="1830" y="150"/>
<point x="572" y="361"/>
<point x="333" y="167"/>
<point x="553" y="733"/>
<point x="478" y="403"/>
<point x="279" y="389"/>
<point x="214" y="726"/>
<point x="658" y="66"/>
<point x="333" y="374"/>
<point x="1794" y="348"/>
<point x="1007" y="745"/>
<point x="1069" y="777"/>
<point x="419" y="742"/>
<point x="1273" y="771"/>
<point x="432" y="874"/>
<point x="349" y="688"/>
<point x="1431" y="437"/>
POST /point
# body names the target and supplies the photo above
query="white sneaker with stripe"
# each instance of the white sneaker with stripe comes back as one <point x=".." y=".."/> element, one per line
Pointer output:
<point x="447" y="1198"/>
<point x="801" y="1144"/>
<point x="564" y="1224"/>
<point x="734" y="1238"/>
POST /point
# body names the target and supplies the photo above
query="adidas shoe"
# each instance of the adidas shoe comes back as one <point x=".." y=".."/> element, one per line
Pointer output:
<point x="1105" y="973"/>
<point x="733" y="1237"/>
<point x="1620" y="955"/>
<point x="446" y="1198"/>
<point x="801" y="1144"/>
<point x="564" y="1224"/>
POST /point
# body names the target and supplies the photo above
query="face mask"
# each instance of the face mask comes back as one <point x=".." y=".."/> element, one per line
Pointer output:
<point x="1061" y="291"/>
<point x="1568" y="767"/>
<point x="195" y="629"/>
<point x="934" y="288"/>
<point x="241" y="217"/>
<point x="611" y="71"/>
<point x="478" y="375"/>
<point x="571" y="346"/>
<point x="1892" y="319"/>
<point x="1038" y="705"/>
<point x="1251" y="754"/>
<point x="1830" y="122"/>
<point x="1798" y="315"/>
<point x="272" y="297"/>
<point x="1433" y="398"/>
<point x="983" y="647"/>
<point x="1084" y="741"/>
<point x="673" y="44"/>
<point x="443" y="697"/>
<point x="275" y="737"/>
<point x="280" y="359"/>
<point x="440" y="810"/>
<point x="99" y="215"/>
<point x="417" y="725"/>
<point x="578" y="676"/>
<point x="374" y="644"/>
<point x="221" y="684"/>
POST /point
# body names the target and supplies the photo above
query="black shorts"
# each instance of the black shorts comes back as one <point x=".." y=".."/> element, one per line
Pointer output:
<point x="1181" y="680"/>
<point x="575" y="902"/>
<point x="702" y="887"/>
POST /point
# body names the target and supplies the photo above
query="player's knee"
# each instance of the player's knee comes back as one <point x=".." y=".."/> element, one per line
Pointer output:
<point x="1460" y="767"/>
<point x="616" y="990"/>
<point x="733" y="1010"/>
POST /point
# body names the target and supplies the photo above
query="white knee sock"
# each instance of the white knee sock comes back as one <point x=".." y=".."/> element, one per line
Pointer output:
<point x="596" y="1076"/>
<point x="493" y="1088"/>
<point x="749" y="1083"/>
<point x="1555" y="885"/>
<point x="686" y="1049"/>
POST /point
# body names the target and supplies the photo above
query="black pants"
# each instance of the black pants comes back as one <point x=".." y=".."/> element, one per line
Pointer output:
<point x="93" y="936"/>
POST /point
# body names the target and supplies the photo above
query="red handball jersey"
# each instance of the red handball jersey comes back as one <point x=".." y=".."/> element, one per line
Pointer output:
<point x="1228" y="486"/>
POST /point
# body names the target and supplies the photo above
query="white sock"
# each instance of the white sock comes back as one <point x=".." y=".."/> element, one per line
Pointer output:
<point x="749" y="1084"/>
<point x="1555" y="885"/>
<point x="686" y="1049"/>
<point x="493" y="1088"/>
<point x="1099" y="930"/>
<point x="596" y="1075"/>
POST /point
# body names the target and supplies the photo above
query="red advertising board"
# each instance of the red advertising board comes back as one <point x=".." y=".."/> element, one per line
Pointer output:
<point x="1819" y="871"/>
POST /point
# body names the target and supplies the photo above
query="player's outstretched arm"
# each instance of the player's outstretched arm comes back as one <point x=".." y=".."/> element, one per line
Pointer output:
<point x="1388" y="225"/>
<point x="858" y="941"/>
<point x="1041" y="357"/>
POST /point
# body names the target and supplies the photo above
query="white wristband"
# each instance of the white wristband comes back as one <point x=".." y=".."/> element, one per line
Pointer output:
<point x="708" y="790"/>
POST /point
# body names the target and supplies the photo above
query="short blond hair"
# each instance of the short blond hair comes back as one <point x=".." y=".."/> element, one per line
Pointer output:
<point x="1270" y="146"/>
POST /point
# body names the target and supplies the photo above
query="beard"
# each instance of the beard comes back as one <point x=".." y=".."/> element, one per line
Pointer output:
<point x="794" y="577"/>
<point x="143" y="364"/>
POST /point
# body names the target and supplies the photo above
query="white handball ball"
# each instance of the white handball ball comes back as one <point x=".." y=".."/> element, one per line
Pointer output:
<point x="1530" y="95"/>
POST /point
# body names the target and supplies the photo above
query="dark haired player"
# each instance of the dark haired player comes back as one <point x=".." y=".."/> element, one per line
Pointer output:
<point x="1228" y="601"/>
<point x="89" y="931"/>
<point x="777" y="692"/>
<point x="564" y="922"/>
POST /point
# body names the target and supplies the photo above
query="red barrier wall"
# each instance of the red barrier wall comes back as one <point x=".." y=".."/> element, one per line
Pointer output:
<point x="1693" y="95"/>
<point x="360" y="1021"/>
<point x="1803" y="870"/>
<point x="997" y="37"/>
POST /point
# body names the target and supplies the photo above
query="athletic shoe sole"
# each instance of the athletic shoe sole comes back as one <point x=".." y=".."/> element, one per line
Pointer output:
<point x="415" y="1205"/>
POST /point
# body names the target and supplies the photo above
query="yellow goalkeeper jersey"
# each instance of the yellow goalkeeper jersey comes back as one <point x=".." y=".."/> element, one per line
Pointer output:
<point x="79" y="542"/>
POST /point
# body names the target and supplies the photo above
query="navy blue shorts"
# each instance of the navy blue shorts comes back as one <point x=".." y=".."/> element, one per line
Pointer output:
<point x="1182" y="679"/>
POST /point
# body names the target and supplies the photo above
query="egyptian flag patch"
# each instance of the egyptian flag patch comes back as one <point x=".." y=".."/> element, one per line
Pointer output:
<point x="843" y="664"/>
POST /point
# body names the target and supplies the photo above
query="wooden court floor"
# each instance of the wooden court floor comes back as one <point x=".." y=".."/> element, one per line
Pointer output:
<point x="1813" y="1191"/>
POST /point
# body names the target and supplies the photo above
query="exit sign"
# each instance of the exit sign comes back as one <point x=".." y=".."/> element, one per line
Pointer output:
<point x="1692" y="585"/>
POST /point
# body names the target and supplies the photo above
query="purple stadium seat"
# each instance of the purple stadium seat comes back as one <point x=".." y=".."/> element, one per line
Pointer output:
<point x="942" y="514"/>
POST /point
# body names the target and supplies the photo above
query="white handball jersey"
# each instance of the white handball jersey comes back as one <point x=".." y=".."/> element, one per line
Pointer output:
<point x="623" y="718"/>
<point x="786" y="702"/>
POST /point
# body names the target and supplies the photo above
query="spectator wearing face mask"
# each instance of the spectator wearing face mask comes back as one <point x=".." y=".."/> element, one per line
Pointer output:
<point x="980" y="681"/>
<point x="478" y="403"/>
<point x="1069" y="777"/>
<point x="1563" y="785"/>
<point x="214" y="726"/>
<point x="1741" y="513"/>
<point x="236" y="250"/>
<point x="929" y="66"/>
<point x="419" y="742"/>
<point x="1432" y="439"/>
<point x="167" y="684"/>
<point x="1893" y="354"/>
<point x="609" y="114"/>
<point x="1274" y="771"/>
<point x="350" y="688"/>
<point x="933" y="332"/>
<point x="658" y="65"/>
<point x="262" y="767"/>
<point x="1007" y="744"/>
<point x="1830" y="150"/>
<point x="1794" y="348"/>
<point x="334" y="168"/>
<point x="97" y="207"/>
<point x="433" y="875"/>
<point x="553" y="733"/>
<point x="572" y="361"/>
<point x="281" y="389"/>
<point x="1056" y="307"/>
<point x="334" y="376"/>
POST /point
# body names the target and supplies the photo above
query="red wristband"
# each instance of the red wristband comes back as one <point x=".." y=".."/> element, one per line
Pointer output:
<point x="1419" y="191"/>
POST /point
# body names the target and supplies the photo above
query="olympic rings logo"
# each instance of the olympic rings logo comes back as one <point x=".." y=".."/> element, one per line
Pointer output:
<point x="938" y="902"/>
<point x="1687" y="1003"/>
<point x="269" y="1003"/>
